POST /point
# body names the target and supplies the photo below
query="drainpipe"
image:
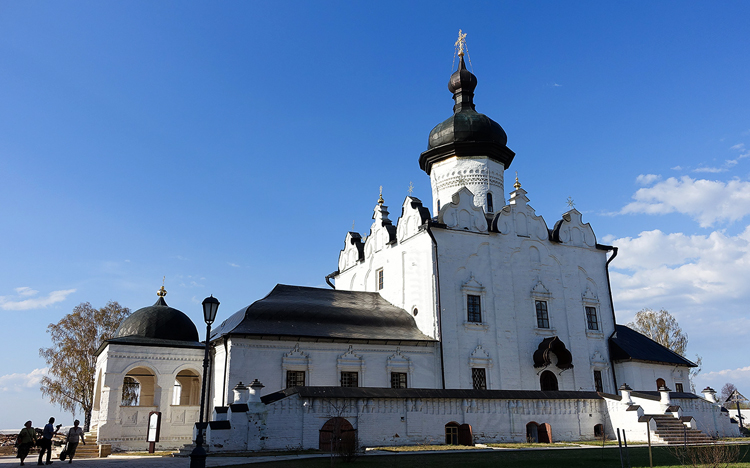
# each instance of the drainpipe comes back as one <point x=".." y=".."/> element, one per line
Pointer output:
<point x="612" y="306"/>
<point x="224" y="384"/>
<point x="328" y="279"/>
<point x="439" y="306"/>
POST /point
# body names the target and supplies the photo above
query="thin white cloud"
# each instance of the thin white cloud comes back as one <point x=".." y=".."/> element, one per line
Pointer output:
<point x="738" y="146"/>
<point x="710" y="170"/>
<point x="729" y="372"/>
<point x="233" y="265"/>
<point x="706" y="201"/>
<point x="21" y="382"/>
<point x="647" y="179"/>
<point x="677" y="168"/>
<point x="20" y="303"/>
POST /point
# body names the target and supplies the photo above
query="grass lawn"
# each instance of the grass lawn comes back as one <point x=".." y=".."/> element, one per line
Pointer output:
<point x="562" y="458"/>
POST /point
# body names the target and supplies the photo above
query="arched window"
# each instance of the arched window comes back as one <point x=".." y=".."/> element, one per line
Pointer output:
<point x="548" y="381"/>
<point x="187" y="387"/>
<point x="660" y="383"/>
<point x="138" y="387"/>
<point x="490" y="206"/>
<point x="599" y="431"/>
<point x="451" y="433"/>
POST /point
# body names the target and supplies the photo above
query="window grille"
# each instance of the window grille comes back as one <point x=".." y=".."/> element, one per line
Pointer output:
<point x="349" y="379"/>
<point x="380" y="279"/>
<point x="474" y="308"/>
<point x="451" y="434"/>
<point x="678" y="387"/>
<point x="295" y="379"/>
<point x="398" y="380"/>
<point x="479" y="378"/>
<point x="542" y="316"/>
<point x="591" y="319"/>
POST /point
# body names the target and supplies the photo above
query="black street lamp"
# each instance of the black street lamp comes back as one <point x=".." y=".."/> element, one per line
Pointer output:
<point x="198" y="456"/>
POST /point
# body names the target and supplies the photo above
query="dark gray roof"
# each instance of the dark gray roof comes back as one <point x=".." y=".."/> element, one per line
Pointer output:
<point x="371" y="392"/>
<point x="157" y="325"/>
<point x="299" y="311"/>
<point x="626" y="344"/>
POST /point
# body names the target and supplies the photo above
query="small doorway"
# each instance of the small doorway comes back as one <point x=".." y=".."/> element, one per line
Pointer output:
<point x="336" y="435"/>
<point x="451" y="433"/>
<point x="532" y="433"/>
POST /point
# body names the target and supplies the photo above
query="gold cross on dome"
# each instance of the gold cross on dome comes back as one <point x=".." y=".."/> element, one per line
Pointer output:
<point x="460" y="43"/>
<point x="411" y="188"/>
<point x="380" y="198"/>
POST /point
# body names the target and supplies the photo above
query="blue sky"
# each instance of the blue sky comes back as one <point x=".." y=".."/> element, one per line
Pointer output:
<point x="229" y="146"/>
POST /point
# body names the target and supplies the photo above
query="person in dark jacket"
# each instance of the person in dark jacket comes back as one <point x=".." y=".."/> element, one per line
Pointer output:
<point x="45" y="443"/>
<point x="26" y="440"/>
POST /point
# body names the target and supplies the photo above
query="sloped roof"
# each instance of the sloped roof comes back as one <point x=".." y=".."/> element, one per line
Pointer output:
<point x="626" y="344"/>
<point x="299" y="311"/>
<point x="373" y="392"/>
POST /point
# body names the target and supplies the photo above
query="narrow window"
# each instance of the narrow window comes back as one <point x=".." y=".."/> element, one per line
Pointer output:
<point x="295" y="379"/>
<point x="398" y="380"/>
<point x="349" y="379"/>
<point x="438" y="205"/>
<point x="380" y="279"/>
<point x="473" y="308"/>
<point x="591" y="320"/>
<point x="490" y="207"/>
<point x="542" y="317"/>
<point x="598" y="385"/>
<point x="479" y="378"/>
<point x="678" y="387"/>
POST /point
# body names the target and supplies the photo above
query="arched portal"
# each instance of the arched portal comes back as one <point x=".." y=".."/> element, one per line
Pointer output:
<point x="337" y="434"/>
<point x="548" y="381"/>
<point x="139" y="387"/>
<point x="532" y="432"/>
<point x="187" y="387"/>
<point x="660" y="383"/>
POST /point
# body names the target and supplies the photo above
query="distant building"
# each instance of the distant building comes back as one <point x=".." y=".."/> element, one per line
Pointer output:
<point x="470" y="321"/>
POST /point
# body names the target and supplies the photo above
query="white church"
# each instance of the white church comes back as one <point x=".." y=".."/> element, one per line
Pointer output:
<point x="470" y="320"/>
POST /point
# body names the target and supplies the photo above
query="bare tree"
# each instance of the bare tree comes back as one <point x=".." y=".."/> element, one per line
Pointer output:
<point x="663" y="328"/>
<point x="71" y="361"/>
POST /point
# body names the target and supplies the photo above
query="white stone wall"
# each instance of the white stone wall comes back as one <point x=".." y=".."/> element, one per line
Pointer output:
<point x="124" y="427"/>
<point x="643" y="375"/>
<point x="295" y="422"/>
<point x="268" y="361"/>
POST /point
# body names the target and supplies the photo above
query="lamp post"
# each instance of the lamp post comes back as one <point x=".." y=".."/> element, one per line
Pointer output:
<point x="198" y="456"/>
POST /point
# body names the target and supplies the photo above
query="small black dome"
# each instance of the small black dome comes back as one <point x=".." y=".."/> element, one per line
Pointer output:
<point x="158" y="321"/>
<point x="466" y="132"/>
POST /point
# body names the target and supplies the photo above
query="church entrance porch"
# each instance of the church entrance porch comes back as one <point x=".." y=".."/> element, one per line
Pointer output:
<point x="337" y="435"/>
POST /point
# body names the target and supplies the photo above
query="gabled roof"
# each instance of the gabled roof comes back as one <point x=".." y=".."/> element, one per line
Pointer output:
<point x="298" y="311"/>
<point x="626" y="344"/>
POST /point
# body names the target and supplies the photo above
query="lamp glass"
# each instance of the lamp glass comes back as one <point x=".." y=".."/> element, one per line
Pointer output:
<point x="210" y="307"/>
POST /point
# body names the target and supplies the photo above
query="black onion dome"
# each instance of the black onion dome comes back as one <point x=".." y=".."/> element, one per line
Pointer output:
<point x="466" y="132"/>
<point x="158" y="322"/>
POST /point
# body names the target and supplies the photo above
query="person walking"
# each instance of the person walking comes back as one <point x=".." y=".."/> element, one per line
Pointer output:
<point x="26" y="440"/>
<point x="45" y="443"/>
<point x="75" y="434"/>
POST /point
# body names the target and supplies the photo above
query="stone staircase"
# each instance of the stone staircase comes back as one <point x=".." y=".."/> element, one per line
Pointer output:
<point x="90" y="450"/>
<point x="672" y="431"/>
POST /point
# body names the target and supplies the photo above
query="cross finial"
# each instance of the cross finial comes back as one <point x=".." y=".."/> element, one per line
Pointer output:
<point x="380" y="198"/>
<point x="570" y="203"/>
<point x="411" y="188"/>
<point x="162" y="292"/>
<point x="517" y="185"/>
<point x="460" y="43"/>
<point x="353" y="224"/>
